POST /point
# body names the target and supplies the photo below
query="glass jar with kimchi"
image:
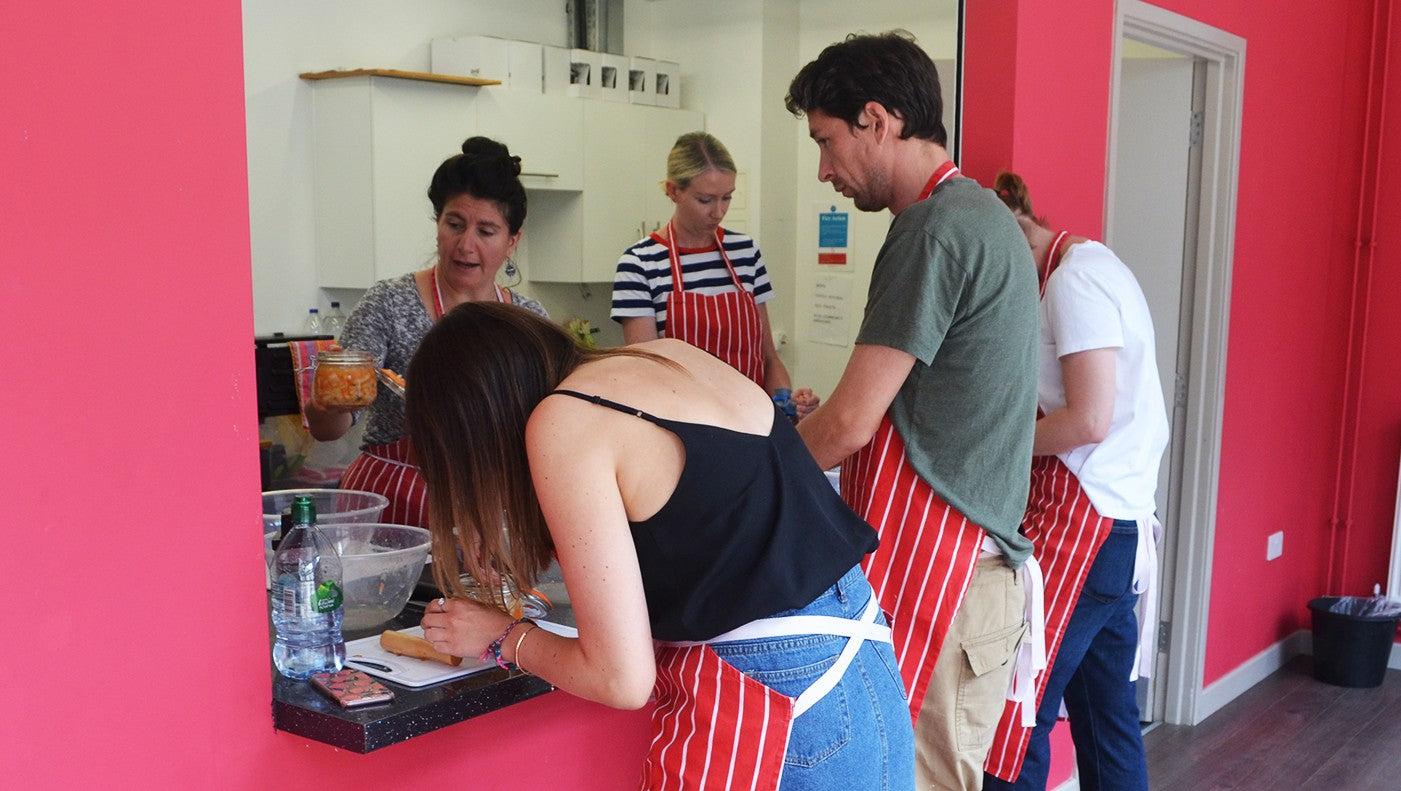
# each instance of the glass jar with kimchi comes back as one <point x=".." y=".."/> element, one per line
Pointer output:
<point x="344" y="378"/>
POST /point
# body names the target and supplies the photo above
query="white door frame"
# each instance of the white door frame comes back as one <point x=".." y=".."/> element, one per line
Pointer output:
<point x="1224" y="55"/>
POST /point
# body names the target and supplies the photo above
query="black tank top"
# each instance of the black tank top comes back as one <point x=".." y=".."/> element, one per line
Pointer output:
<point x="752" y="529"/>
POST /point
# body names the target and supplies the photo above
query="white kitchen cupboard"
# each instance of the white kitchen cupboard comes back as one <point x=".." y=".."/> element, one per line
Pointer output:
<point x="579" y="239"/>
<point x="544" y="131"/>
<point x="594" y="171"/>
<point x="378" y="140"/>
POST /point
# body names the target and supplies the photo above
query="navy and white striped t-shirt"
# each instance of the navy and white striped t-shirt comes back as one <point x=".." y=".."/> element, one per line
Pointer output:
<point x="643" y="279"/>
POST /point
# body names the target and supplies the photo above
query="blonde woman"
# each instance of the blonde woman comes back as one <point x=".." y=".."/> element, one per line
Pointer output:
<point x="698" y="282"/>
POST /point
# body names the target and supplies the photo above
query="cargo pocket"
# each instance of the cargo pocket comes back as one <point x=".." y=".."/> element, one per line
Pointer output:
<point x="982" y="688"/>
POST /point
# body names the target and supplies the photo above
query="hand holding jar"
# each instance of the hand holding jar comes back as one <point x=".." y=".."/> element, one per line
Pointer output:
<point x="344" y="381"/>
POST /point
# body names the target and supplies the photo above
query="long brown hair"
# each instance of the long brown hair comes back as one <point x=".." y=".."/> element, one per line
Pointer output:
<point x="475" y="379"/>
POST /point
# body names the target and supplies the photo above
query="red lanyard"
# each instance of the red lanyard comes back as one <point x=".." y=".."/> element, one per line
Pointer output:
<point x="945" y="172"/>
<point x="438" y="294"/>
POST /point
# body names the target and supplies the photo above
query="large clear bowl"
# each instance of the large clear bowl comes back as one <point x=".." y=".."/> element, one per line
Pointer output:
<point x="380" y="564"/>
<point x="333" y="506"/>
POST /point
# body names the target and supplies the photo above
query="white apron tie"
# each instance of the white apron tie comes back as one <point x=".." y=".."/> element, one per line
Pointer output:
<point x="856" y="631"/>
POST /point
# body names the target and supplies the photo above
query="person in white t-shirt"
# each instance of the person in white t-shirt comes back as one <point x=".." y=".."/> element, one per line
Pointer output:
<point x="1100" y="434"/>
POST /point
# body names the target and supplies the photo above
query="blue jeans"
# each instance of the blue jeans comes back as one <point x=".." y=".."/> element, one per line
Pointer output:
<point x="859" y="736"/>
<point x="1091" y="674"/>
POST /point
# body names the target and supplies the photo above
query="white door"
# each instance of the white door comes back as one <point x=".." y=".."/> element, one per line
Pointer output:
<point x="1148" y="219"/>
<point x="1203" y="317"/>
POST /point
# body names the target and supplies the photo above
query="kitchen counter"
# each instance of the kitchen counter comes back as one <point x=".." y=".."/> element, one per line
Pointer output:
<point x="299" y="708"/>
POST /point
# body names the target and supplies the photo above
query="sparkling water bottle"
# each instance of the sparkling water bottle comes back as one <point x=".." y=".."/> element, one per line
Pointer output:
<point x="312" y="326"/>
<point x="306" y="599"/>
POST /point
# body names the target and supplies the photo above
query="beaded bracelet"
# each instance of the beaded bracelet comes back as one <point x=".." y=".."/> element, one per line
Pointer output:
<point x="519" y="641"/>
<point x="493" y="649"/>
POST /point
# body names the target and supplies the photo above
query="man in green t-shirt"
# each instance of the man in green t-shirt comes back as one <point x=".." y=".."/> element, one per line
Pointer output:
<point x="938" y="400"/>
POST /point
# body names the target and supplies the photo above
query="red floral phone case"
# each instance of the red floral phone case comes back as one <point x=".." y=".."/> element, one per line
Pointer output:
<point x="351" y="688"/>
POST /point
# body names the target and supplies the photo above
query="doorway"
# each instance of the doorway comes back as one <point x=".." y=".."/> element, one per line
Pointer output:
<point x="1158" y="152"/>
<point x="1171" y="217"/>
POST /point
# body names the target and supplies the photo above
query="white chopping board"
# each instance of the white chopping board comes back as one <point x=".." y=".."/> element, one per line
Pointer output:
<point x="406" y="670"/>
<point x="412" y="672"/>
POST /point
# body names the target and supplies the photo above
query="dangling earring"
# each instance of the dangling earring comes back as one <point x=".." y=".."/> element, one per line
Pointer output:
<point x="511" y="270"/>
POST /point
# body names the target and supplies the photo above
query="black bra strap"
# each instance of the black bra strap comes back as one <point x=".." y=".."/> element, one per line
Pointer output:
<point x="601" y="401"/>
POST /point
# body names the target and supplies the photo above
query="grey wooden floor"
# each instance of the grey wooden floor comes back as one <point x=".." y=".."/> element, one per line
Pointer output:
<point x="1291" y="732"/>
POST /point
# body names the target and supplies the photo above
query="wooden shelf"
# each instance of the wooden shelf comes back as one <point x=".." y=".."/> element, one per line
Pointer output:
<point x="401" y="75"/>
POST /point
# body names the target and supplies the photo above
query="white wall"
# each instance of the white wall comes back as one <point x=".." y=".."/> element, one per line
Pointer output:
<point x="737" y="58"/>
<point x="283" y="39"/>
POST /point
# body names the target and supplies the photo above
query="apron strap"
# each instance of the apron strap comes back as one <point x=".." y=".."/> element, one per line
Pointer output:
<point x="673" y="250"/>
<point x="438" y="295"/>
<point x="857" y="631"/>
<point x="1053" y="257"/>
<point x="792" y="625"/>
<point x="942" y="173"/>
<point x="1031" y="654"/>
<point x="1145" y="584"/>
<point x="828" y="681"/>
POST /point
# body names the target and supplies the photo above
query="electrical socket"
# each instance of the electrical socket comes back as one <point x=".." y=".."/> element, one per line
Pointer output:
<point x="1274" y="545"/>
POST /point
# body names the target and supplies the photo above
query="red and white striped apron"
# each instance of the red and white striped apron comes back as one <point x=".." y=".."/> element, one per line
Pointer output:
<point x="391" y="469"/>
<point x="1066" y="533"/>
<point x="716" y="729"/>
<point x="927" y="552"/>
<point x="726" y="325"/>
<point x="926" y="556"/>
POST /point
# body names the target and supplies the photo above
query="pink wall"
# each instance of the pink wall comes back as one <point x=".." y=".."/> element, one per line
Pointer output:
<point x="1019" y="115"/>
<point x="1370" y="502"/>
<point x="138" y="648"/>
<point x="1289" y="379"/>
<point x="1306" y="69"/>
<point x="126" y="281"/>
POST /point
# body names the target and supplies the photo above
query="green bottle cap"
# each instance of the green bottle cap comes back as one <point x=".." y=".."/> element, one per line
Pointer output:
<point x="303" y="510"/>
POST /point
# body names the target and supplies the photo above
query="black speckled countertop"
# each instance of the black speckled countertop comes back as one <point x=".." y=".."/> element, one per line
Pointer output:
<point x="298" y="708"/>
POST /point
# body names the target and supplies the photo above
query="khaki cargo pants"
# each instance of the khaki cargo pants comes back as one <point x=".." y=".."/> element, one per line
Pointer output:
<point x="969" y="689"/>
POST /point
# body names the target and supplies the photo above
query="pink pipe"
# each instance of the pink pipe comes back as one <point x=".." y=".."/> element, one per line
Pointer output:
<point x="1364" y="254"/>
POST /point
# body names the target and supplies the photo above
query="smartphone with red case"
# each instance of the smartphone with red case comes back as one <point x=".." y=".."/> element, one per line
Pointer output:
<point x="352" y="688"/>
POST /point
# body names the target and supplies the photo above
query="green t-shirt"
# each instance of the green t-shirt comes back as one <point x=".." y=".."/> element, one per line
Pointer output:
<point x="954" y="285"/>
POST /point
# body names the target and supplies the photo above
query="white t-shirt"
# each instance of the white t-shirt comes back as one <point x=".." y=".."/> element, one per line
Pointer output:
<point x="1093" y="301"/>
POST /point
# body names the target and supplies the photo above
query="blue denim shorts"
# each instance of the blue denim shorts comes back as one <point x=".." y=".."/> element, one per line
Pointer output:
<point x="859" y="736"/>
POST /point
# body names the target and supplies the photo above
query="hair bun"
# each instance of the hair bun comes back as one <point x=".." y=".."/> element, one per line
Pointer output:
<point x="1011" y="188"/>
<point x="486" y="170"/>
<point x="487" y="154"/>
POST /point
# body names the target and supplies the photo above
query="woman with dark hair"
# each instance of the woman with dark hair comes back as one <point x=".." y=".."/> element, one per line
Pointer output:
<point x="682" y="508"/>
<point x="479" y="206"/>
<point x="1100" y="434"/>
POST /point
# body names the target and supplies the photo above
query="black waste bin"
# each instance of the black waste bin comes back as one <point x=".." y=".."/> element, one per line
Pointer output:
<point x="1350" y="650"/>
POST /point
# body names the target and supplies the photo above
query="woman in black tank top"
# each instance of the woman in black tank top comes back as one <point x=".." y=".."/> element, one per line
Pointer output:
<point x="701" y="522"/>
